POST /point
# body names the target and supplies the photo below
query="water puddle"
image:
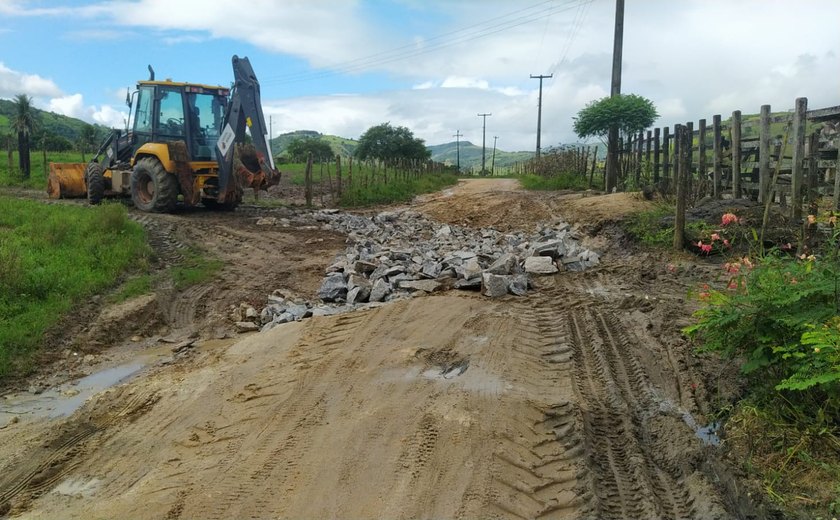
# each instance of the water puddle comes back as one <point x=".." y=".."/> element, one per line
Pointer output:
<point x="65" y="399"/>
<point x="708" y="434"/>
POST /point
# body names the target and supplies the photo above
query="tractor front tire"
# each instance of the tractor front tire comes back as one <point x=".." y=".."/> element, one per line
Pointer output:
<point x="95" y="182"/>
<point x="153" y="189"/>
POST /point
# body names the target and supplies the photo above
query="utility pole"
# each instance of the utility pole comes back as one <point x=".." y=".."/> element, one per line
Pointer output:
<point x="615" y="90"/>
<point x="483" y="134"/>
<point x="457" y="137"/>
<point x="493" y="162"/>
<point x="539" y="110"/>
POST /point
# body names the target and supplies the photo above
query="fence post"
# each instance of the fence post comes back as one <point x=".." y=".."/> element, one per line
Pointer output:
<point x="675" y="159"/>
<point x="681" y="136"/>
<point x="701" y="146"/>
<point x="716" y="150"/>
<point x="656" y="156"/>
<point x="639" y="146"/>
<point x="338" y="176"/>
<point x="307" y="181"/>
<point x="689" y="127"/>
<point x="648" y="147"/>
<point x="797" y="160"/>
<point x="735" y="150"/>
<point x="764" y="154"/>
<point x="666" y="156"/>
<point x="594" y="160"/>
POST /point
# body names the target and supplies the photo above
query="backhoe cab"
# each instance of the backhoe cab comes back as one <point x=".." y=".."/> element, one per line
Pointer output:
<point x="185" y="142"/>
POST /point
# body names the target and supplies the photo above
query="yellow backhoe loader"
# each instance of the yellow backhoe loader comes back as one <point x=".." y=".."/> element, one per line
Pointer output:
<point x="184" y="144"/>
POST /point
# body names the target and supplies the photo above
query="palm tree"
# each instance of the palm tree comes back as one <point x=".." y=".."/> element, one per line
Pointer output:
<point x="24" y="123"/>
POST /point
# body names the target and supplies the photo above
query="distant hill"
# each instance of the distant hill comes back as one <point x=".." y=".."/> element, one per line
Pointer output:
<point x="56" y="124"/>
<point x="445" y="153"/>
<point x="340" y="145"/>
<point x="471" y="155"/>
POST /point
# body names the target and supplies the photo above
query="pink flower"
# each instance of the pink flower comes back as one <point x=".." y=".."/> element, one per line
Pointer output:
<point x="706" y="248"/>
<point x="747" y="262"/>
<point x="733" y="284"/>
<point x="729" y="218"/>
<point x="715" y="236"/>
<point x="733" y="267"/>
<point x="726" y="242"/>
<point x="699" y="243"/>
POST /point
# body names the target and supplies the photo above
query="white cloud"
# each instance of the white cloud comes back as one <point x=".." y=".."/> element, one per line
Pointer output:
<point x="72" y="105"/>
<point x="13" y="82"/>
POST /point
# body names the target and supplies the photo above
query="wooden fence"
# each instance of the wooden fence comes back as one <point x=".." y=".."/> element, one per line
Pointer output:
<point x="789" y="158"/>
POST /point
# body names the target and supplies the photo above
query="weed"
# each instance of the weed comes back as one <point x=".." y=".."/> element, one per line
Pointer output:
<point x="135" y="286"/>
<point x="653" y="227"/>
<point x="560" y="181"/>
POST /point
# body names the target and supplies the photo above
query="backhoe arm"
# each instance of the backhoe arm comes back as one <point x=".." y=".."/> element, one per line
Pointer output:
<point x="244" y="111"/>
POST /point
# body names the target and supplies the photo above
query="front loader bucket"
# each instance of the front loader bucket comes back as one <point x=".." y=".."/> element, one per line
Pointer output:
<point x="67" y="181"/>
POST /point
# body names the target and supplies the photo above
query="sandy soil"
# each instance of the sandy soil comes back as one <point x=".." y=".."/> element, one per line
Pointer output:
<point x="580" y="400"/>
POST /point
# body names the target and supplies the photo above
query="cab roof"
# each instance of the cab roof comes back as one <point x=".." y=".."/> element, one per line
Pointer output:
<point x="169" y="83"/>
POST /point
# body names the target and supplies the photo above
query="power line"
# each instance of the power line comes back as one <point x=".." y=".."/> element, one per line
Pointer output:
<point x="481" y="30"/>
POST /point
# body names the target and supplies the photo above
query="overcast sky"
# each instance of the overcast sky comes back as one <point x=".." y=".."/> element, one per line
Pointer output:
<point x="341" y="66"/>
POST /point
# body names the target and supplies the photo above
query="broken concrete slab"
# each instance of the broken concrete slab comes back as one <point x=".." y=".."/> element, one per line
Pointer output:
<point x="420" y="285"/>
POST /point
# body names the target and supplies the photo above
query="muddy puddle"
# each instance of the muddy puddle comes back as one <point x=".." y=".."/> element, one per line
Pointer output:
<point x="63" y="400"/>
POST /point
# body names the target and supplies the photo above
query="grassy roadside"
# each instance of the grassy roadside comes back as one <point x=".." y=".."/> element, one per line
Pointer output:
<point x="366" y="186"/>
<point x="52" y="257"/>
<point x="561" y="181"/>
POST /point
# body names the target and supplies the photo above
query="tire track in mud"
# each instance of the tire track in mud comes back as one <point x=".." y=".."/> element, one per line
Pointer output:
<point x="539" y="458"/>
<point x="64" y="450"/>
<point x="629" y="478"/>
<point x="262" y="462"/>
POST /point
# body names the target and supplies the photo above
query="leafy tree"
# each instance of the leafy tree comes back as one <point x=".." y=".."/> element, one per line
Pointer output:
<point x="390" y="143"/>
<point x="300" y="147"/>
<point x="58" y="143"/>
<point x="87" y="139"/>
<point x="24" y="123"/>
<point x="630" y="112"/>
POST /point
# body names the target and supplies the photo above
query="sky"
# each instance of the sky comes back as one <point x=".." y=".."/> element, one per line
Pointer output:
<point x="342" y="66"/>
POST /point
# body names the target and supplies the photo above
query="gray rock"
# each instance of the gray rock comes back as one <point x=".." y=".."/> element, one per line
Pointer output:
<point x="364" y="267"/>
<point x="472" y="284"/>
<point x="443" y="231"/>
<point x="333" y="288"/>
<point x="267" y="221"/>
<point x="251" y="313"/>
<point x="470" y="269"/>
<point x="299" y="311"/>
<point x="503" y="265"/>
<point x="355" y="295"/>
<point x="246" y="326"/>
<point x="420" y="285"/>
<point x="552" y="248"/>
<point x="540" y="265"/>
<point x="431" y="269"/>
<point x="380" y="290"/>
<point x="518" y="284"/>
<point x="494" y="285"/>
<point x="356" y="280"/>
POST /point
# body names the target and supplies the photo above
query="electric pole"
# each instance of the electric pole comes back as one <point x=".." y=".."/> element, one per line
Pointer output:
<point x="457" y="137"/>
<point x="493" y="162"/>
<point x="483" y="134"/>
<point x="539" y="110"/>
<point x="615" y="90"/>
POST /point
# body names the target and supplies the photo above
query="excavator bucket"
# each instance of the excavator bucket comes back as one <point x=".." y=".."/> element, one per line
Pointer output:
<point x="66" y="181"/>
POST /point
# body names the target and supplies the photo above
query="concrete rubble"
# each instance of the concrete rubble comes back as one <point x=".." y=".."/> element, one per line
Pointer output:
<point x="400" y="253"/>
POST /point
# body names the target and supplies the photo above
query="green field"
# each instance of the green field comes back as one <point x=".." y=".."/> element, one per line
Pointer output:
<point x="53" y="257"/>
<point x="40" y="170"/>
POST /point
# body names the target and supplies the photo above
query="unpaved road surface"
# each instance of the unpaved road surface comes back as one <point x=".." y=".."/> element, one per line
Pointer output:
<point x="579" y="400"/>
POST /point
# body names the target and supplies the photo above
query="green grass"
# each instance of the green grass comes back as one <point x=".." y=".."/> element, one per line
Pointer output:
<point x="53" y="257"/>
<point x="367" y="186"/>
<point x="37" y="178"/>
<point x="647" y="226"/>
<point x="196" y="268"/>
<point x="561" y="181"/>
<point x="133" y="287"/>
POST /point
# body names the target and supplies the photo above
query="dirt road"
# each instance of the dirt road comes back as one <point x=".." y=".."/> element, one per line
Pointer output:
<point x="579" y="400"/>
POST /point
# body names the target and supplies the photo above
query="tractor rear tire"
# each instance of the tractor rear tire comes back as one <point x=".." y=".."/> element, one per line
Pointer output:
<point x="153" y="189"/>
<point x="95" y="181"/>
